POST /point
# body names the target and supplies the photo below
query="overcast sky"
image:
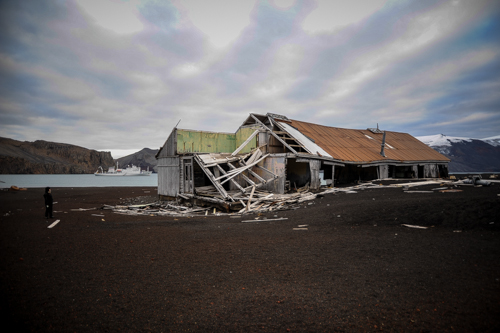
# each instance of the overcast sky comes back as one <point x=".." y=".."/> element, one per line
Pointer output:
<point x="118" y="75"/>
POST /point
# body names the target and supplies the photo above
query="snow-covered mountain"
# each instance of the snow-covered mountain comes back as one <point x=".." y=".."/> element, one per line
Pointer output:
<point x="467" y="154"/>
<point x="440" y="140"/>
<point x="493" y="140"/>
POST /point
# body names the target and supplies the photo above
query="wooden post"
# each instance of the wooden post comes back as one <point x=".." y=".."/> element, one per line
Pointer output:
<point x="314" y="166"/>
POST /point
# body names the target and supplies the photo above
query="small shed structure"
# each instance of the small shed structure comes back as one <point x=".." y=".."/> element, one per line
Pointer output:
<point x="278" y="154"/>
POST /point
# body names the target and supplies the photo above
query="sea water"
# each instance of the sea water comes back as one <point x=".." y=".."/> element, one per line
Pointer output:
<point x="90" y="180"/>
<point x="86" y="180"/>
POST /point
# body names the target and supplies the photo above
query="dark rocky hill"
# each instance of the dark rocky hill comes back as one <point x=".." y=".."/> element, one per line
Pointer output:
<point x="144" y="158"/>
<point x="474" y="156"/>
<point x="467" y="154"/>
<point x="43" y="157"/>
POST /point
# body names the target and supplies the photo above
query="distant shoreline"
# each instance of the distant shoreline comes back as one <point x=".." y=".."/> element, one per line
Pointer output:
<point x="74" y="180"/>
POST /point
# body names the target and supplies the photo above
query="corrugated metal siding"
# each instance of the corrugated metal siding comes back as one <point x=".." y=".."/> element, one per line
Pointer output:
<point x="353" y="146"/>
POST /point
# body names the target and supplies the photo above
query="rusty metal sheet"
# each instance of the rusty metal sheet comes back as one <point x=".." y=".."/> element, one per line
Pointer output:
<point x="352" y="145"/>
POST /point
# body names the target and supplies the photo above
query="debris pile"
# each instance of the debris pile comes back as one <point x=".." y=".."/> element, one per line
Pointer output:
<point x="156" y="209"/>
<point x="257" y="201"/>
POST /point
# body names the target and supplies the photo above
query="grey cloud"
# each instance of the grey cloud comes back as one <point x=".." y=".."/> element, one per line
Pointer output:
<point x="94" y="85"/>
<point x="251" y="56"/>
<point x="332" y="52"/>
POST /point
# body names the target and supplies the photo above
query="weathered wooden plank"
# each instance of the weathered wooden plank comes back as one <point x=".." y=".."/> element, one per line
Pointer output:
<point x="255" y="156"/>
<point x="266" y="220"/>
<point x="169" y="147"/>
<point x="250" y="199"/>
<point x="168" y="176"/>
<point x="414" y="226"/>
<point x="314" y="166"/>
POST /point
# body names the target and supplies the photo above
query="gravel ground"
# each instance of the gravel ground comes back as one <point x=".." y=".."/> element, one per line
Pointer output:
<point x="355" y="268"/>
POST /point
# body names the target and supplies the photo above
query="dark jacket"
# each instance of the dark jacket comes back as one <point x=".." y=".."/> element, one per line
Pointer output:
<point x="48" y="197"/>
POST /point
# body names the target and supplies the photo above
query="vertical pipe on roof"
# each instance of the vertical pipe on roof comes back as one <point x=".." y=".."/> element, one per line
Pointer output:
<point x="383" y="144"/>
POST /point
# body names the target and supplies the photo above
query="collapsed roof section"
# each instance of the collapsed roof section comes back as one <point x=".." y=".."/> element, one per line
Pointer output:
<point x="276" y="153"/>
<point x="221" y="176"/>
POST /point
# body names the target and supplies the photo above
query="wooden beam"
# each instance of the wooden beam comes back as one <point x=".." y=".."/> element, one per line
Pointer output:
<point x="248" y="180"/>
<point x="232" y="180"/>
<point x="237" y="171"/>
<point x="240" y="170"/>
<point x="250" y="199"/>
<point x="256" y="155"/>
<point x="274" y="134"/>
<point x="268" y="171"/>
<point x="250" y="171"/>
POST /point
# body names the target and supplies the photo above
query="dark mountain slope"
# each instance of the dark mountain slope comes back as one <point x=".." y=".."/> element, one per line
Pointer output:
<point x="466" y="154"/>
<point x="473" y="157"/>
<point x="43" y="157"/>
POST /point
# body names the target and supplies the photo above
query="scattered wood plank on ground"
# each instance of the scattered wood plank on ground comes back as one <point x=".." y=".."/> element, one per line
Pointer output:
<point x="257" y="201"/>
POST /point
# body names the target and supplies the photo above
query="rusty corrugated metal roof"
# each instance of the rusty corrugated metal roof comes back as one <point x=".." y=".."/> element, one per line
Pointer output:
<point x="353" y="145"/>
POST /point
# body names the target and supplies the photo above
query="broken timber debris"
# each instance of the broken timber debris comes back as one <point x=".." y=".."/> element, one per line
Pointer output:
<point x="257" y="201"/>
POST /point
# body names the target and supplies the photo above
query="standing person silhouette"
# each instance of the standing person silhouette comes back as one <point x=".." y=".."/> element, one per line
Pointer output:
<point x="48" y="203"/>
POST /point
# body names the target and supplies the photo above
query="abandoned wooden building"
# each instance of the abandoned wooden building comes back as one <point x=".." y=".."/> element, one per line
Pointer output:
<point x="278" y="154"/>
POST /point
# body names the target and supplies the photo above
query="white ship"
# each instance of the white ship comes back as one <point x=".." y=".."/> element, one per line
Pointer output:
<point x="128" y="171"/>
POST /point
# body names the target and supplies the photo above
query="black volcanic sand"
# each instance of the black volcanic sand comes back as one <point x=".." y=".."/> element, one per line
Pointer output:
<point x="356" y="268"/>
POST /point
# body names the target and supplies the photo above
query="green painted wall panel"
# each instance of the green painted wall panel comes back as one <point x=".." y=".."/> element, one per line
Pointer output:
<point x="205" y="142"/>
<point x="241" y="135"/>
<point x="212" y="142"/>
